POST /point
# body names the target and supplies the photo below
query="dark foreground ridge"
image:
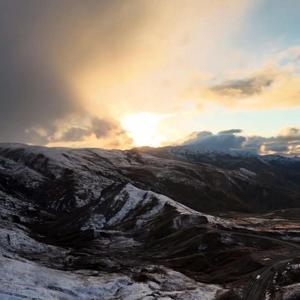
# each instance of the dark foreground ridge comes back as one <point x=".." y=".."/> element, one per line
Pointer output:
<point x="147" y="224"/>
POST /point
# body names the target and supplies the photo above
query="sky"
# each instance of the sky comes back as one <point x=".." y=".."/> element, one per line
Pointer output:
<point x="126" y="73"/>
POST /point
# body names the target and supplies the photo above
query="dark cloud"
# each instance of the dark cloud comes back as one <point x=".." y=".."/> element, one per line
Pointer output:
<point x="243" y="87"/>
<point x="275" y="147"/>
<point x="44" y="41"/>
<point x="74" y="134"/>
<point x="286" y="143"/>
<point x="223" y="141"/>
<point x="108" y="132"/>
<point x="30" y="94"/>
<point x="253" y="143"/>
<point x="101" y="128"/>
<point x="230" y="131"/>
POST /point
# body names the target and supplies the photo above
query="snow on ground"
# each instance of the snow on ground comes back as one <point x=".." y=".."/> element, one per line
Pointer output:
<point x="291" y="291"/>
<point x="24" y="279"/>
<point x="131" y="197"/>
<point x="95" y="222"/>
<point x="247" y="172"/>
<point x="15" y="240"/>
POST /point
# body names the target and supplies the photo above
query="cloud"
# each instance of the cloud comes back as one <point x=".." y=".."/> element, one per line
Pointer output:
<point x="243" y="87"/>
<point x="287" y="142"/>
<point x="101" y="128"/>
<point x="94" y="129"/>
<point x="290" y="133"/>
<point x="74" y="134"/>
<point x="275" y="147"/>
<point x="223" y="141"/>
<point x="254" y="144"/>
<point x="230" y="131"/>
<point x="275" y="84"/>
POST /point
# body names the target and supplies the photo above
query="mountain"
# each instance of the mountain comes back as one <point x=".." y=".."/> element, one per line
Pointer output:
<point x="147" y="224"/>
<point x="217" y="182"/>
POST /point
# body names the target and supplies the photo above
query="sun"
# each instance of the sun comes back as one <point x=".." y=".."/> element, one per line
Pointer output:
<point x="143" y="128"/>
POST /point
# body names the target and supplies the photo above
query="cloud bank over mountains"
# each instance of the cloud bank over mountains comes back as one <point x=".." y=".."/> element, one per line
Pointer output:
<point x="286" y="142"/>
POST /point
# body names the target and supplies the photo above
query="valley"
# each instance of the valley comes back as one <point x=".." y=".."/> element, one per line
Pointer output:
<point x="147" y="224"/>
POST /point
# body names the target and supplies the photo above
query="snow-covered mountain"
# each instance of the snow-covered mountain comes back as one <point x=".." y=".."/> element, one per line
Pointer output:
<point x="141" y="224"/>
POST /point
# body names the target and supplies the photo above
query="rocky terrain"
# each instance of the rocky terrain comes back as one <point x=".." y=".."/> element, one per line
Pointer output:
<point x="147" y="224"/>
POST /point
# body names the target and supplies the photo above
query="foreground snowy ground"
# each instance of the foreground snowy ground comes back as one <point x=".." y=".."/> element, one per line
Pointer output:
<point x="21" y="278"/>
<point x="25" y="279"/>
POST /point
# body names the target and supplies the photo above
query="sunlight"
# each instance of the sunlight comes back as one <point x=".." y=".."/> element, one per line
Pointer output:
<point x="143" y="128"/>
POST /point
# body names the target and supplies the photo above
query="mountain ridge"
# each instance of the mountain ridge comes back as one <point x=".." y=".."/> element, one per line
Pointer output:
<point x="103" y="224"/>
